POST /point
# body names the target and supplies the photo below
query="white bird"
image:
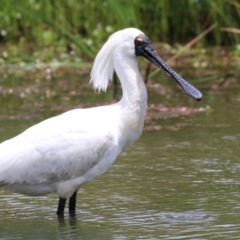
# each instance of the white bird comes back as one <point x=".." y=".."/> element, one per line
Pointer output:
<point x="64" y="152"/>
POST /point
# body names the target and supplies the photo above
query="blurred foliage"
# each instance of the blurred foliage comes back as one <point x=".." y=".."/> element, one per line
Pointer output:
<point x="81" y="26"/>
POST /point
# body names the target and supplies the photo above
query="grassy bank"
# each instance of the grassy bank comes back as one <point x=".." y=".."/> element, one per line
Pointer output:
<point x="48" y="27"/>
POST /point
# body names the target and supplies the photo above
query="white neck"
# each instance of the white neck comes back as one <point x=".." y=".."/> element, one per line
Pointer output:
<point x="134" y="99"/>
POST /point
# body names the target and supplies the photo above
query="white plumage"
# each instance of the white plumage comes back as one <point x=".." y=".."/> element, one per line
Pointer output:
<point x="63" y="152"/>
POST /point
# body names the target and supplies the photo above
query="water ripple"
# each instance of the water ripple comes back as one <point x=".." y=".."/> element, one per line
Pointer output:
<point x="187" y="217"/>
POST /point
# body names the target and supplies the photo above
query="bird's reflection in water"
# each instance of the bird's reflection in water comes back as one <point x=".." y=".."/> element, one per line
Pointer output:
<point x="67" y="227"/>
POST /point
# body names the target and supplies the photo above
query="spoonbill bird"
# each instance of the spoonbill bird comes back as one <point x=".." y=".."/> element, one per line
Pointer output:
<point x="63" y="152"/>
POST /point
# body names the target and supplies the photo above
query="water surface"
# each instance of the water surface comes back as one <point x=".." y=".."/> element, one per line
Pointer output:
<point x="182" y="182"/>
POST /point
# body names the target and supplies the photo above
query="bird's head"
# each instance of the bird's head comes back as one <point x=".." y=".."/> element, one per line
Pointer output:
<point x="134" y="43"/>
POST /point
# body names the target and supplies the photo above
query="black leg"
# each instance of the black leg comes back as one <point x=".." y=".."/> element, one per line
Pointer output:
<point x="61" y="206"/>
<point x="72" y="203"/>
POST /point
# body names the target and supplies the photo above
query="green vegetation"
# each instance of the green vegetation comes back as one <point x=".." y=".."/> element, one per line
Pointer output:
<point x="64" y="29"/>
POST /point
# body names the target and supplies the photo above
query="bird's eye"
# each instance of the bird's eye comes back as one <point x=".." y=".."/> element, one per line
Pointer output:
<point x="138" y="41"/>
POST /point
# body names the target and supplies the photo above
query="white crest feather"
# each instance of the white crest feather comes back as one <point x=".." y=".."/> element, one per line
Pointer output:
<point x="103" y="68"/>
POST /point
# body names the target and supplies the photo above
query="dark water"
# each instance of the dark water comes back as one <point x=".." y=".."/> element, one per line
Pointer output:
<point x="182" y="184"/>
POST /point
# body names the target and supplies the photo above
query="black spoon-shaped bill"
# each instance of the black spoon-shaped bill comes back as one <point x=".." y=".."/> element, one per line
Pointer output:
<point x="143" y="47"/>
